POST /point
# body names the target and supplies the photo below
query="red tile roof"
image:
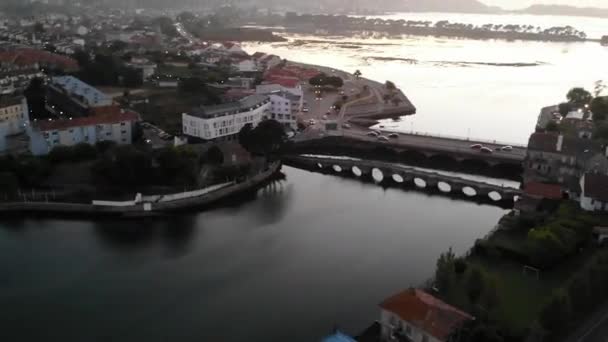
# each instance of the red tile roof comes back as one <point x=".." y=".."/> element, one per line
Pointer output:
<point x="28" y="56"/>
<point x="543" y="190"/>
<point x="284" y="81"/>
<point x="426" y="312"/>
<point x="111" y="118"/>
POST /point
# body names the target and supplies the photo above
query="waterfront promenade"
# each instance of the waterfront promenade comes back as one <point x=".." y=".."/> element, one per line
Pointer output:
<point x="146" y="206"/>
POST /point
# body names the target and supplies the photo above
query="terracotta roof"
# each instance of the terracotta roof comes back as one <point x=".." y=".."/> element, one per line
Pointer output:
<point x="545" y="142"/>
<point x="28" y="56"/>
<point x="596" y="186"/>
<point x="426" y="312"/>
<point x="62" y="124"/>
<point x="572" y="146"/>
<point x="285" y="82"/>
<point x="543" y="190"/>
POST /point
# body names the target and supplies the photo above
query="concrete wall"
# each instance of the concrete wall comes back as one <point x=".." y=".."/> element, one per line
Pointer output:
<point x="390" y="321"/>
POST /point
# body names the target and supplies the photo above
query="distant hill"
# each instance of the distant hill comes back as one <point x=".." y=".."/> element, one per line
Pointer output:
<point x="566" y="10"/>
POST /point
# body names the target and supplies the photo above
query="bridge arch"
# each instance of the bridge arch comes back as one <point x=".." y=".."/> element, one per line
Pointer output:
<point x="337" y="168"/>
<point x="319" y="165"/>
<point x="356" y="171"/>
<point x="495" y="196"/>
<point x="419" y="182"/>
<point x="469" y="191"/>
<point x="397" y="178"/>
<point x="377" y="175"/>
<point x="444" y="187"/>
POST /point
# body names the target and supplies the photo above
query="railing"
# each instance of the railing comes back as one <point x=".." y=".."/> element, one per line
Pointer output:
<point x="455" y="137"/>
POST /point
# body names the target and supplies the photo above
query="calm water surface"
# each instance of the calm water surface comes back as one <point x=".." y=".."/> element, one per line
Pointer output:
<point x="313" y="252"/>
<point x="463" y="88"/>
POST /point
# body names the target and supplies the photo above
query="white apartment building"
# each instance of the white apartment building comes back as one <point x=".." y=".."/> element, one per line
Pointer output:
<point x="116" y="127"/>
<point x="294" y="88"/>
<point x="14" y="114"/>
<point x="226" y="120"/>
<point x="284" y="107"/>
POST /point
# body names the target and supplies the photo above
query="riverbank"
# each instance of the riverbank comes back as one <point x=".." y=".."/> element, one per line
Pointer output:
<point x="144" y="207"/>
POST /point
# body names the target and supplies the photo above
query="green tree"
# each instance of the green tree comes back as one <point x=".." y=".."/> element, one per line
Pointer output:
<point x="460" y="266"/>
<point x="552" y="126"/>
<point x="444" y="270"/>
<point x="564" y="108"/>
<point x="390" y="85"/>
<point x="580" y="294"/>
<point x="555" y="315"/>
<point x="268" y="137"/>
<point x="475" y="284"/>
<point x="579" y="97"/>
<point x="599" y="108"/>
<point x="357" y="74"/>
<point x="245" y="137"/>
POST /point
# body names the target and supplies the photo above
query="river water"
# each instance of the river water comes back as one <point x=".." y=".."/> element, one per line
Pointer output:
<point x="313" y="252"/>
<point x="464" y="88"/>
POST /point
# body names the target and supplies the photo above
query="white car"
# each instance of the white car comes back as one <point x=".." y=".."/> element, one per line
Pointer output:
<point x="372" y="134"/>
<point x="382" y="138"/>
<point x="486" y="150"/>
<point x="305" y="110"/>
<point x="507" y="148"/>
<point x="347" y="126"/>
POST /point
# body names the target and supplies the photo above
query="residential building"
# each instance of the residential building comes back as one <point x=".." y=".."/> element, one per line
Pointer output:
<point x="555" y="157"/>
<point x="246" y="66"/>
<point x="14" y="114"/>
<point x="146" y="67"/>
<point x="68" y="96"/>
<point x="292" y="86"/>
<point x="416" y="316"/>
<point x="226" y="120"/>
<point x="547" y="115"/>
<point x="284" y="107"/>
<point x="594" y="192"/>
<point x="116" y="127"/>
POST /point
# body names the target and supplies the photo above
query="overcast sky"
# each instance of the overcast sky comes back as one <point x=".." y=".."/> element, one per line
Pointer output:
<point x="511" y="4"/>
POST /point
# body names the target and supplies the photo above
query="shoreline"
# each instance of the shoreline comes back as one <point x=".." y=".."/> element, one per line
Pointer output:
<point x="141" y="209"/>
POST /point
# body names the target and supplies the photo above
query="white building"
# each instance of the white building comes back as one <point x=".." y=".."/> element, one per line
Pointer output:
<point x="226" y="120"/>
<point x="284" y="107"/>
<point x="14" y="114"/>
<point x="416" y="316"/>
<point x="147" y="68"/>
<point x="594" y="192"/>
<point x="246" y="65"/>
<point x="116" y="127"/>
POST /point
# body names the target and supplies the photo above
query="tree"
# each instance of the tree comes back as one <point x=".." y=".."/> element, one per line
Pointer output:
<point x="579" y="97"/>
<point x="564" y="108"/>
<point x="245" y="137"/>
<point x="599" y="108"/>
<point x="38" y="28"/>
<point x="475" y="285"/>
<point x="598" y="88"/>
<point x="35" y="94"/>
<point x="552" y="126"/>
<point x="460" y="266"/>
<point x="444" y="270"/>
<point x="268" y="137"/>
<point x="390" y="85"/>
<point x="192" y="85"/>
<point x="357" y="74"/>
<point x="580" y="295"/>
<point x="555" y="314"/>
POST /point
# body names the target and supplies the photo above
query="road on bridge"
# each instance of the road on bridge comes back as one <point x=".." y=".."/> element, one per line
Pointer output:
<point x="435" y="143"/>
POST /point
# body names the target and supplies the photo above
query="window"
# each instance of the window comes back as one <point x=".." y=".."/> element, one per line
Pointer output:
<point x="123" y="124"/>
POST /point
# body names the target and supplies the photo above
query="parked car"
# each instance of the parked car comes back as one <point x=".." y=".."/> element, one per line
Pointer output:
<point x="347" y="126"/>
<point x="372" y="134"/>
<point x="382" y="138"/>
<point x="486" y="150"/>
<point x="305" y="110"/>
<point x="506" y="148"/>
<point x="476" y="146"/>
<point x="312" y="122"/>
<point x="324" y="117"/>
<point x="393" y="135"/>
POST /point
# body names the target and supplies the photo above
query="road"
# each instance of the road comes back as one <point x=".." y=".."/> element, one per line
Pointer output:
<point x="426" y="142"/>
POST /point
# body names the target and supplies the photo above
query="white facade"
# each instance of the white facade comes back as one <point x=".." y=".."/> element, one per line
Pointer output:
<point x="273" y="88"/>
<point x="227" y="123"/>
<point x="14" y="116"/>
<point x="247" y="66"/>
<point x="391" y="324"/>
<point x="43" y="140"/>
<point x="284" y="108"/>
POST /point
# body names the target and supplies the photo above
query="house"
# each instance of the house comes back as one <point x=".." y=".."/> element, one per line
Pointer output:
<point x="246" y="66"/>
<point x="292" y="86"/>
<point x="547" y="115"/>
<point x="14" y="114"/>
<point x="284" y="108"/>
<point x="543" y="191"/>
<point x="594" y="192"/>
<point x="555" y="157"/>
<point x="116" y="127"/>
<point x="68" y="96"/>
<point x="146" y="67"/>
<point x="224" y="121"/>
<point x="419" y="317"/>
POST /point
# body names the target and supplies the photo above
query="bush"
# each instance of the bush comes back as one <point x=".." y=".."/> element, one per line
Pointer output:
<point x="475" y="284"/>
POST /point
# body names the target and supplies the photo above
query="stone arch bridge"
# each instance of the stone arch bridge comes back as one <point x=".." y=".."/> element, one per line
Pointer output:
<point x="400" y="174"/>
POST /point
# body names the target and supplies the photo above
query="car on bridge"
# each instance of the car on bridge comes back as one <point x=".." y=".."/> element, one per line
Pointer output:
<point x="393" y="136"/>
<point x="382" y="138"/>
<point x="486" y="150"/>
<point x="476" y="146"/>
<point x="506" y="148"/>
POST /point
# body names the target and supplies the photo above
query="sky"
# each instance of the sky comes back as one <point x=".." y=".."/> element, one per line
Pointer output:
<point x="513" y="4"/>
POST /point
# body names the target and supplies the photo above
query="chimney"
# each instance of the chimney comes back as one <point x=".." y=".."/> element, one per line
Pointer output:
<point x="560" y="142"/>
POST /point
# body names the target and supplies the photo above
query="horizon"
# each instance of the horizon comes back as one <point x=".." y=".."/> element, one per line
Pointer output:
<point x="521" y="4"/>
